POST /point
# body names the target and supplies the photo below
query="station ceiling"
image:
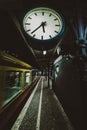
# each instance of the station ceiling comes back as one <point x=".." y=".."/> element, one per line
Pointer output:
<point x="12" y="40"/>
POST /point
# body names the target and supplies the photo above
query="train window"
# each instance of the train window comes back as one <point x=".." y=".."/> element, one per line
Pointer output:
<point x="27" y="79"/>
<point x="12" y="85"/>
<point x="12" y="79"/>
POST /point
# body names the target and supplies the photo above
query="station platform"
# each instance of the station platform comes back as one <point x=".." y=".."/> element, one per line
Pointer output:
<point x="42" y="111"/>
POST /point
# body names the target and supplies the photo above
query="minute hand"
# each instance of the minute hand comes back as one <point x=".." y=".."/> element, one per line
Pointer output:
<point x="36" y="28"/>
<point x="41" y="25"/>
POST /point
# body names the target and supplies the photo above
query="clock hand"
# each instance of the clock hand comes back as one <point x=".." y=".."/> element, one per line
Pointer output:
<point x="36" y="28"/>
<point x="42" y="24"/>
<point x="43" y="28"/>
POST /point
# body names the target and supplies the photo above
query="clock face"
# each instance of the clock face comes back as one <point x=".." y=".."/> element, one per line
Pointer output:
<point x="42" y="23"/>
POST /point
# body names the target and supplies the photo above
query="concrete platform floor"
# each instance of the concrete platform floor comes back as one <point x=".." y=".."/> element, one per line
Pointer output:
<point x="42" y="111"/>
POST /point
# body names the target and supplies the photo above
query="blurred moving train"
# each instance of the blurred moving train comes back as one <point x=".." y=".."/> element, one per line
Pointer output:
<point x="16" y="82"/>
<point x="15" y="76"/>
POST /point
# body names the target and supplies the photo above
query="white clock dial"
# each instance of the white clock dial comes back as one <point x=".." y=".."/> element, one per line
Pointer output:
<point x="42" y="23"/>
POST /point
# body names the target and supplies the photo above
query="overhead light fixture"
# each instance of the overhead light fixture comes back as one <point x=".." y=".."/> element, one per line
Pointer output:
<point x="44" y="52"/>
<point x="58" y="50"/>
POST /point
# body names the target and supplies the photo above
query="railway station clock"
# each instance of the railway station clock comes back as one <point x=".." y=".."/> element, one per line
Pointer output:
<point x="43" y="25"/>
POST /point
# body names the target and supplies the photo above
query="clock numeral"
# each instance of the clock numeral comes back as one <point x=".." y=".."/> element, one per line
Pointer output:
<point x="28" y="30"/>
<point x="43" y="13"/>
<point x="56" y="31"/>
<point x="27" y="23"/>
<point x="35" y="14"/>
<point x="57" y="25"/>
<point x="50" y="36"/>
<point x="50" y="15"/>
<point x="42" y="37"/>
<point x="29" y="17"/>
<point x="55" y="19"/>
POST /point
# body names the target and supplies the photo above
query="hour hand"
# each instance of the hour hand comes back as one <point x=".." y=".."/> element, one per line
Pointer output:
<point x="43" y="26"/>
